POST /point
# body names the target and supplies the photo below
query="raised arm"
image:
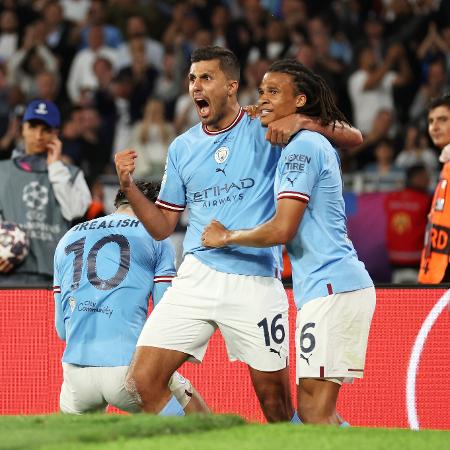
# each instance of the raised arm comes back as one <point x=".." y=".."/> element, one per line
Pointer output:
<point x="281" y="228"/>
<point x="158" y="222"/>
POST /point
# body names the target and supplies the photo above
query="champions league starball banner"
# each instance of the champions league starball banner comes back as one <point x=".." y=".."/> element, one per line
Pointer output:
<point x="406" y="382"/>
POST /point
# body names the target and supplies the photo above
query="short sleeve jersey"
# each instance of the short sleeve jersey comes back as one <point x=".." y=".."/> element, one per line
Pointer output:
<point x="323" y="258"/>
<point x="228" y="176"/>
<point x="105" y="271"/>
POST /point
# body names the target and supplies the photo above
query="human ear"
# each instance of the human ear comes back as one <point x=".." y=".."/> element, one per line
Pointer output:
<point x="233" y="86"/>
<point x="301" y="100"/>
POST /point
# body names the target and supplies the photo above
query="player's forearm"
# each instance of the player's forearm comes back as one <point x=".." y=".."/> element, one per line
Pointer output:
<point x="266" y="235"/>
<point x="153" y="219"/>
<point x="344" y="135"/>
<point x="341" y="134"/>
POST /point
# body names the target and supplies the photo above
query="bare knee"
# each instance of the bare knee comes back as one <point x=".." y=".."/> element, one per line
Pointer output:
<point x="131" y="388"/>
<point x="148" y="393"/>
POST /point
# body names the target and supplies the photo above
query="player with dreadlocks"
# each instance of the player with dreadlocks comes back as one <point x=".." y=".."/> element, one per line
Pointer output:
<point x="333" y="292"/>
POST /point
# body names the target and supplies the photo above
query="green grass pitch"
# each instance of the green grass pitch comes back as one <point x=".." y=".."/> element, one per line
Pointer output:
<point x="139" y="432"/>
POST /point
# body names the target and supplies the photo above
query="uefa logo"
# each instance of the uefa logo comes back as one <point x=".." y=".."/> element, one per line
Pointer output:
<point x="41" y="109"/>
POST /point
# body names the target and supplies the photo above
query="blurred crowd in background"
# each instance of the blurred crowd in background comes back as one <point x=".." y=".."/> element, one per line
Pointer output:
<point x="117" y="69"/>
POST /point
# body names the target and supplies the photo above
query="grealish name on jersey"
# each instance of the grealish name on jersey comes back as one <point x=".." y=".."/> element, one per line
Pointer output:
<point x="97" y="224"/>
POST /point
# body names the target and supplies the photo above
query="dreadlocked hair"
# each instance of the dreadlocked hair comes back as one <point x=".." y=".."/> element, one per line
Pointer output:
<point x="319" y="99"/>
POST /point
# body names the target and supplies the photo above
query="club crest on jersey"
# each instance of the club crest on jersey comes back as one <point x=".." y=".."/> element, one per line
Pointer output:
<point x="72" y="303"/>
<point x="221" y="154"/>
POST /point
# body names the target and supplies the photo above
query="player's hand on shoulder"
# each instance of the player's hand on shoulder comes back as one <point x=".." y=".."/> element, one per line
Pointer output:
<point x="215" y="235"/>
<point x="5" y="266"/>
<point x="54" y="151"/>
<point x="252" y="111"/>
<point x="280" y="131"/>
<point x="125" y="162"/>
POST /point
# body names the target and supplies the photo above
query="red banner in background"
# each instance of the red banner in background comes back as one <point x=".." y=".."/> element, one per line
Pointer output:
<point x="30" y="369"/>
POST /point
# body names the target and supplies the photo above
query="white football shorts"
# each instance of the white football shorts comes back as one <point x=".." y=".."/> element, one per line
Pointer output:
<point x="331" y="336"/>
<point x="250" y="311"/>
<point x="86" y="389"/>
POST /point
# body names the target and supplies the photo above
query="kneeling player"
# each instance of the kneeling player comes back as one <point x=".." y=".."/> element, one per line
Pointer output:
<point x="333" y="292"/>
<point x="105" y="271"/>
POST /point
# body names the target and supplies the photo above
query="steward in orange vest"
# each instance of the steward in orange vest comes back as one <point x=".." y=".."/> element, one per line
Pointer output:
<point x="436" y="252"/>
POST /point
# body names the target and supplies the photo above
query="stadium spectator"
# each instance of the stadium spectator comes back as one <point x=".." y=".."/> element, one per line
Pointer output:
<point x="416" y="150"/>
<point x="143" y="76"/>
<point x="246" y="280"/>
<point x="81" y="74"/>
<point x="383" y="173"/>
<point x="151" y="138"/>
<point x="40" y="193"/>
<point x="82" y="145"/>
<point x="433" y="46"/>
<point x="137" y="28"/>
<point x="179" y="36"/>
<point x="30" y="60"/>
<point x="103" y="101"/>
<point x="75" y="11"/>
<point x="122" y="261"/>
<point x="333" y="53"/>
<point x="167" y="87"/>
<point x="11" y="139"/>
<point x="406" y="217"/>
<point x="247" y="29"/>
<point x="274" y="44"/>
<point x="374" y="36"/>
<point x="253" y="73"/>
<point x="96" y="17"/>
<point x="122" y="90"/>
<point x="185" y="114"/>
<point x="333" y="292"/>
<point x="436" y="84"/>
<point x="220" y="25"/>
<point x="9" y="34"/>
<point x="48" y="87"/>
<point x="436" y="251"/>
<point x="60" y="34"/>
<point x="295" y="16"/>
<point x="370" y="87"/>
<point x="381" y="129"/>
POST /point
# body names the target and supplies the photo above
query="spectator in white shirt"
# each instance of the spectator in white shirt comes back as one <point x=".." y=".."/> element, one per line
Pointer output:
<point x="370" y="87"/>
<point x="81" y="75"/>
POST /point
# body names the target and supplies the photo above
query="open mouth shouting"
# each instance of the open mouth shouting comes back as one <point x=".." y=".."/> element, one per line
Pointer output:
<point x="203" y="108"/>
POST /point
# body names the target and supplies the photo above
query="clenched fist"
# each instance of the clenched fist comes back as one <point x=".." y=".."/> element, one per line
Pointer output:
<point x="125" y="165"/>
<point x="215" y="235"/>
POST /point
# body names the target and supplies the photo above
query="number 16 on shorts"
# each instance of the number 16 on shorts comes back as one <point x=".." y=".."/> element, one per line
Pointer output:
<point x="274" y="332"/>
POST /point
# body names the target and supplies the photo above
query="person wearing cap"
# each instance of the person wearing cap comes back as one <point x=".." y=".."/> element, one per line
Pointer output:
<point x="40" y="193"/>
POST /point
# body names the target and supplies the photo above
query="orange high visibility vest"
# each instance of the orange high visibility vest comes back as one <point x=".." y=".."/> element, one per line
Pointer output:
<point x="436" y="251"/>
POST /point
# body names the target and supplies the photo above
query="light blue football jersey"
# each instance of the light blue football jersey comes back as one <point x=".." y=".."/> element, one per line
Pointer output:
<point x="323" y="258"/>
<point x="104" y="273"/>
<point x="226" y="175"/>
